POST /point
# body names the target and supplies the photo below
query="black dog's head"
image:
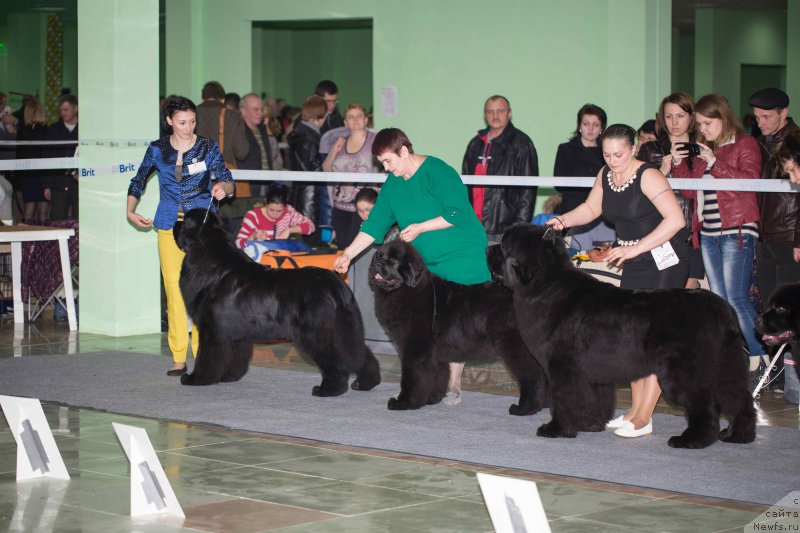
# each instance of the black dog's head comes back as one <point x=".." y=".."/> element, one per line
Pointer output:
<point x="780" y="321"/>
<point x="396" y="264"/>
<point x="188" y="231"/>
<point x="529" y="253"/>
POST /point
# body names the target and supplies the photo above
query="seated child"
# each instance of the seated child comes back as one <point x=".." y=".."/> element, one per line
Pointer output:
<point x="274" y="220"/>
<point x="365" y="201"/>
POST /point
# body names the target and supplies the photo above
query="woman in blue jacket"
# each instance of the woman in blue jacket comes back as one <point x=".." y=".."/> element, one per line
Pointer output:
<point x="191" y="172"/>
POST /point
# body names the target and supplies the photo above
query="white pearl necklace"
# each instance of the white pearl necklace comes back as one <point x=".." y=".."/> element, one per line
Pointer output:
<point x="624" y="185"/>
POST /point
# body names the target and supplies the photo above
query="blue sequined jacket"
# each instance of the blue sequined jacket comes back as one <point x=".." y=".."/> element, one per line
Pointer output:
<point x="192" y="190"/>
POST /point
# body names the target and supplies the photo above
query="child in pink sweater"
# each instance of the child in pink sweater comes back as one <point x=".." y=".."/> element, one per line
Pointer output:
<point x="275" y="220"/>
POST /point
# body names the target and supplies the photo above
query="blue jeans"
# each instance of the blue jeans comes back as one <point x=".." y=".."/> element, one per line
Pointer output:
<point x="729" y="268"/>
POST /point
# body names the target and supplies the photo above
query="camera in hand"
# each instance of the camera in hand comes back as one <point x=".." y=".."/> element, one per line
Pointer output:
<point x="691" y="149"/>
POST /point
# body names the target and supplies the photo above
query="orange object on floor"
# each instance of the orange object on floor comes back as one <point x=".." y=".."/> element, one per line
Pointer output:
<point x="284" y="259"/>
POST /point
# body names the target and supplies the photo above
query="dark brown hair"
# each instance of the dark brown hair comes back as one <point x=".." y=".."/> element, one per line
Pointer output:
<point x="788" y="150"/>
<point x="590" y="109"/>
<point x="213" y="90"/>
<point x="390" y="140"/>
<point x="682" y="100"/>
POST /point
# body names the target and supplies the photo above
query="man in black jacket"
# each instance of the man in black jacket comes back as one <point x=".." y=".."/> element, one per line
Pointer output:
<point x="61" y="187"/>
<point x="501" y="150"/>
<point x="778" y="247"/>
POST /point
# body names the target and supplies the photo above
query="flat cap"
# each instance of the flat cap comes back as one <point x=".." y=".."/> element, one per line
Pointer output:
<point x="770" y="98"/>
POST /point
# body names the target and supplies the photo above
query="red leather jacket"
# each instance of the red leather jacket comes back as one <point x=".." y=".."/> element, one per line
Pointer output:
<point x="738" y="160"/>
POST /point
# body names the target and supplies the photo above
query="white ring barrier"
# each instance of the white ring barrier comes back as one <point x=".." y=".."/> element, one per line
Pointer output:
<point x="757" y="185"/>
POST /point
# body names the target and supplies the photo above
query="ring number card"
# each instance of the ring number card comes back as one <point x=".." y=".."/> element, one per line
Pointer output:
<point x="37" y="452"/>
<point x="151" y="492"/>
<point x="514" y="504"/>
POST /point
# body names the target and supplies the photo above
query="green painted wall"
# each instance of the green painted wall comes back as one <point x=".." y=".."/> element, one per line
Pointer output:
<point x="446" y="57"/>
<point x="682" y="63"/>
<point x="793" y="51"/>
<point x="118" y="73"/>
<point x="727" y="39"/>
<point x="290" y="63"/>
<point x="23" y="67"/>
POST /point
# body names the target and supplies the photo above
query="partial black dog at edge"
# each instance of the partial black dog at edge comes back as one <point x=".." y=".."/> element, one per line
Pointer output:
<point x="434" y="322"/>
<point x="779" y="323"/>
<point x="235" y="301"/>
<point x="589" y="335"/>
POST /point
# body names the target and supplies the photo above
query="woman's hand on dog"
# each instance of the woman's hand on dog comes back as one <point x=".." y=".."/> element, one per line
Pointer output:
<point x="411" y="232"/>
<point x="556" y="224"/>
<point x="620" y="254"/>
<point x="139" y="221"/>
<point x="342" y="263"/>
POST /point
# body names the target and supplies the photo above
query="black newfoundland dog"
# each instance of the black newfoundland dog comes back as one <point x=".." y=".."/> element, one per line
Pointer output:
<point x="780" y="321"/>
<point x="235" y="301"/>
<point x="589" y="335"/>
<point x="434" y="322"/>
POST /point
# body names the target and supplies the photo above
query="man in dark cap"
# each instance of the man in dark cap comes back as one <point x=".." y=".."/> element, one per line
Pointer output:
<point x="778" y="248"/>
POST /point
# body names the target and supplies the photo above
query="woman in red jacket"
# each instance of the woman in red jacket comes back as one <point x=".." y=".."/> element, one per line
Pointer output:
<point x="726" y="220"/>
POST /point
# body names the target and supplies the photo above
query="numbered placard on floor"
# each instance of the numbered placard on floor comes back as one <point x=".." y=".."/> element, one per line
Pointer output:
<point x="37" y="452"/>
<point x="514" y="504"/>
<point x="151" y="492"/>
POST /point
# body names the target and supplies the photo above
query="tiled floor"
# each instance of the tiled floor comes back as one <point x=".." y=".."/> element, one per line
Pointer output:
<point x="241" y="482"/>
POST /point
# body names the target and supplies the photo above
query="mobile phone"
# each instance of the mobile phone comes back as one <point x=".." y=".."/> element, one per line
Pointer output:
<point x="691" y="149"/>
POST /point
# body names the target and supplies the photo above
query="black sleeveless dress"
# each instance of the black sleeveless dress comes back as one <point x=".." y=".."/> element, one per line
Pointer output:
<point x="635" y="216"/>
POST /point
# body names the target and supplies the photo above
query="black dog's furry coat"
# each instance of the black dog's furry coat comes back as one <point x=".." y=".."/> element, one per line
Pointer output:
<point x="780" y="321"/>
<point x="235" y="301"/>
<point x="434" y="322"/>
<point x="589" y="335"/>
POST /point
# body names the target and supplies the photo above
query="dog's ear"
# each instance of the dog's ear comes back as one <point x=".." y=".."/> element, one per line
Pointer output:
<point x="413" y="269"/>
<point x="515" y="274"/>
<point x="494" y="258"/>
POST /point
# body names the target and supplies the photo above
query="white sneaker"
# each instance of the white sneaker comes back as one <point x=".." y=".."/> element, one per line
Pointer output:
<point x="627" y="430"/>
<point x="452" y="398"/>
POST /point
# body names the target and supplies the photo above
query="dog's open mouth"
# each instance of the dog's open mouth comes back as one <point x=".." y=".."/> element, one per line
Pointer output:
<point x="778" y="338"/>
<point x="378" y="278"/>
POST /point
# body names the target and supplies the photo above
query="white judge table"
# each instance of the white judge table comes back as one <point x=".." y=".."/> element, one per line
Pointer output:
<point x="16" y="235"/>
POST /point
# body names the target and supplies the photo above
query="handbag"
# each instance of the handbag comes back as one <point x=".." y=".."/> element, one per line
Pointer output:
<point x="242" y="187"/>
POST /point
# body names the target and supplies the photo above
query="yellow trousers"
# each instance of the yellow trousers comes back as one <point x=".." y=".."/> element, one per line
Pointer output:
<point x="171" y="258"/>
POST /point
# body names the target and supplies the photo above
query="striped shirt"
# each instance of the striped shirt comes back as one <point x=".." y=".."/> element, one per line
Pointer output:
<point x="256" y="220"/>
<point x="712" y="224"/>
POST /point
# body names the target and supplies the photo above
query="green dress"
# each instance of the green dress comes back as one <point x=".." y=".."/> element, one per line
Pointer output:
<point x="457" y="253"/>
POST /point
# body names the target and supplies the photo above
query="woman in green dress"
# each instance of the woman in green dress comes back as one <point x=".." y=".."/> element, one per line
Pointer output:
<point x="429" y="202"/>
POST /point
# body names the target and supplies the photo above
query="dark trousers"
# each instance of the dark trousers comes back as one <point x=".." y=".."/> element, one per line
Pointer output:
<point x="776" y="267"/>
<point x="61" y="199"/>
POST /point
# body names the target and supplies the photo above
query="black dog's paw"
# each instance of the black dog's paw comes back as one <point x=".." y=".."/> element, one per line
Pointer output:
<point x="187" y="379"/>
<point x="726" y="435"/>
<point x="680" y="441"/>
<point x="595" y="427"/>
<point x="397" y="405"/>
<point x="358" y="385"/>
<point x="551" y="430"/>
<point x="523" y="410"/>
<point x="327" y="392"/>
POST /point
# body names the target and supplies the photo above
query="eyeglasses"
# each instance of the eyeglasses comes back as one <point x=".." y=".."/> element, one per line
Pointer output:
<point x="331" y="100"/>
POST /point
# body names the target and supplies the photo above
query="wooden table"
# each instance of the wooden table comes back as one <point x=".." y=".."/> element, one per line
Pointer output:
<point x="16" y="235"/>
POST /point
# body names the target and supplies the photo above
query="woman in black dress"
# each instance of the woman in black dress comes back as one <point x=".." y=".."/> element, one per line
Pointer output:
<point x="637" y="198"/>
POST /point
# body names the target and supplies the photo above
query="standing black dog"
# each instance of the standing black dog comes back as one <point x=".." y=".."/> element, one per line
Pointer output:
<point x="434" y="322"/>
<point x="235" y="301"/>
<point x="589" y="335"/>
<point x="780" y="321"/>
